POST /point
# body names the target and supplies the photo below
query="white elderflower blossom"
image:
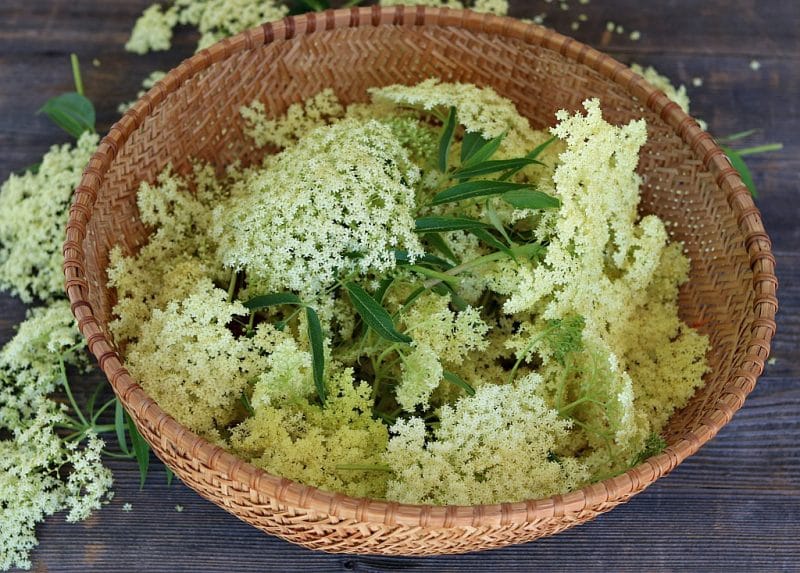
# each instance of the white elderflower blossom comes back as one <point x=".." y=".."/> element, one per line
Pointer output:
<point x="499" y="445"/>
<point x="345" y="211"/>
<point x="35" y="209"/>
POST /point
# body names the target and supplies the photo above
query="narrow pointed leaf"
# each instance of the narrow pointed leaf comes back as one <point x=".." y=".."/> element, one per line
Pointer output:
<point x="475" y="189"/>
<point x="438" y="243"/>
<point x="496" y="222"/>
<point x="72" y="112"/>
<point x="532" y="155"/>
<point x="495" y="166"/>
<point x="471" y="143"/>
<point x="402" y="258"/>
<point x="141" y="450"/>
<point x="530" y="199"/>
<point x="119" y="426"/>
<point x="478" y="148"/>
<point x="317" y="352"/>
<point x="274" y="299"/>
<point x="374" y="315"/>
<point x="458" y="381"/>
<point x="382" y="288"/>
<point x="447" y="140"/>
<point x="744" y="171"/>
<point x="492" y="241"/>
<point x="170" y="475"/>
<point x="444" y="224"/>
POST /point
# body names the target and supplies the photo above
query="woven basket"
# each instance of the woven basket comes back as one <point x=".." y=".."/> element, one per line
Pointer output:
<point x="194" y="113"/>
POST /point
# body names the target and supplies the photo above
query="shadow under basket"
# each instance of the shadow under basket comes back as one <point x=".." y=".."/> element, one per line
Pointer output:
<point x="194" y="113"/>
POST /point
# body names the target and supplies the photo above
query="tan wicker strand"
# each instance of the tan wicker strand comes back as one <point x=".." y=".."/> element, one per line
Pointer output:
<point x="193" y="113"/>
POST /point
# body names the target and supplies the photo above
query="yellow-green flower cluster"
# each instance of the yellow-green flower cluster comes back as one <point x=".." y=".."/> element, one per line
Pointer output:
<point x="35" y="206"/>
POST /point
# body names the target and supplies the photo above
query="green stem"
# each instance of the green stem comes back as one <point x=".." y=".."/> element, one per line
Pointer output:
<point x="441" y="277"/>
<point x="102" y="409"/>
<point x="63" y="370"/>
<point x="522" y="356"/>
<point x="232" y="286"/>
<point x="759" y="149"/>
<point x="737" y="135"/>
<point x="523" y="250"/>
<point x="117" y="455"/>
<point x="76" y="73"/>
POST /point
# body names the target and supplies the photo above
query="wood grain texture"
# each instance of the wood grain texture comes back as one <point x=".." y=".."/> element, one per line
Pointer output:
<point x="734" y="505"/>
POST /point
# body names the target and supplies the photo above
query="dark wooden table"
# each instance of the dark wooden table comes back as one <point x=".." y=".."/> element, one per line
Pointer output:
<point x="733" y="506"/>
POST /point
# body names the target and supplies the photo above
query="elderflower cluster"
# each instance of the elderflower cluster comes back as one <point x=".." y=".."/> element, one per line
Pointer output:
<point x="35" y="206"/>
<point x="190" y="362"/>
<point x="662" y="82"/>
<point x="32" y="453"/>
<point x="215" y="20"/>
<point x="299" y="119"/>
<point x="501" y="444"/>
<point x="344" y="212"/>
<point x="312" y="444"/>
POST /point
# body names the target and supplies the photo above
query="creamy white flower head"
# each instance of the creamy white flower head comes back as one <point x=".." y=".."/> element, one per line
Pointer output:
<point x="339" y="202"/>
<point x="35" y="209"/>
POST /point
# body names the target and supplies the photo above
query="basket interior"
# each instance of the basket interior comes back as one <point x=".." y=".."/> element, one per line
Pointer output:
<point x="200" y="119"/>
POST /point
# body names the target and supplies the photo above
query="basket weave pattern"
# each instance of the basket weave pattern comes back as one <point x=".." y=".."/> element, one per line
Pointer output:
<point x="194" y="113"/>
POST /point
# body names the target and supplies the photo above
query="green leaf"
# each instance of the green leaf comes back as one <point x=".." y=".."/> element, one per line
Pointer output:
<point x="72" y="112"/>
<point x="141" y="450"/>
<point x="532" y="155"/>
<point x="444" y="224"/>
<point x="386" y="282"/>
<point x="474" y="189"/>
<point x="438" y="243"/>
<point x="458" y="381"/>
<point x="471" y="143"/>
<point x="476" y="149"/>
<point x="246" y="403"/>
<point x="496" y="221"/>
<point x="740" y="166"/>
<point x="274" y="299"/>
<point x="447" y="140"/>
<point x="494" y="166"/>
<point x="170" y="475"/>
<point x="492" y="241"/>
<point x="530" y="199"/>
<point x="119" y="426"/>
<point x="402" y="258"/>
<point x="374" y="315"/>
<point x="317" y="352"/>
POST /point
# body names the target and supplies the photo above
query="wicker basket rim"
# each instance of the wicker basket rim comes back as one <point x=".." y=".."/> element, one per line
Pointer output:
<point x="285" y="491"/>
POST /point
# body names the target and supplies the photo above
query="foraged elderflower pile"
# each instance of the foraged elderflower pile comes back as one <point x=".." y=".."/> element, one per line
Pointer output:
<point x="402" y="303"/>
